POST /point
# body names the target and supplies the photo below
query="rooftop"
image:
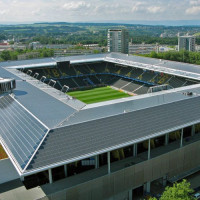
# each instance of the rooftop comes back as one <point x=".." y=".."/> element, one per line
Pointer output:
<point x="54" y="120"/>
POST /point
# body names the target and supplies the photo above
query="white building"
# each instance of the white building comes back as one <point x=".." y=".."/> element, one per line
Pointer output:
<point x="186" y="43"/>
<point x="142" y="48"/>
<point x="118" y="40"/>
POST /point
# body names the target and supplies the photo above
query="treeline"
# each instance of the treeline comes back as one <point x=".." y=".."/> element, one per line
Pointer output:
<point x="154" y="40"/>
<point x="182" y="56"/>
<point x="12" y="55"/>
<point x="74" y="39"/>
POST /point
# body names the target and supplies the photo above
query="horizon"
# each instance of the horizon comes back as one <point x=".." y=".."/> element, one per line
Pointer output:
<point x="123" y="22"/>
<point x="21" y="11"/>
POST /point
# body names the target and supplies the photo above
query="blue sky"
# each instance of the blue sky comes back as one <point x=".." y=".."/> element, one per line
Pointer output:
<point x="95" y="10"/>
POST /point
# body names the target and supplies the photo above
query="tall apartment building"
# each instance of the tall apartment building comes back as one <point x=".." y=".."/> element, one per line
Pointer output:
<point x="186" y="43"/>
<point x="118" y="40"/>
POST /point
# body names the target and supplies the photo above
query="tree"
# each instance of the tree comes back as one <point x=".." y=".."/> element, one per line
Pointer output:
<point x="5" y="55"/>
<point x="179" y="191"/>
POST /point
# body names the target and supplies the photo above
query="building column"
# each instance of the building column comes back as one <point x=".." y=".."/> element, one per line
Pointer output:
<point x="65" y="170"/>
<point x="96" y="161"/>
<point x="50" y="176"/>
<point x="166" y="139"/>
<point x="130" y="195"/>
<point x="108" y="160"/>
<point x="193" y="130"/>
<point x="164" y="180"/>
<point x="181" y="143"/>
<point x="147" y="187"/>
<point x="149" y="149"/>
<point x="134" y="150"/>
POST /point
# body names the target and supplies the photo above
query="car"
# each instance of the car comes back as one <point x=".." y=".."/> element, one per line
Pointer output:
<point x="197" y="195"/>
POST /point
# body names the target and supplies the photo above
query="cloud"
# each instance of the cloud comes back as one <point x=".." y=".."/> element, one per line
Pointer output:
<point x="138" y="6"/>
<point x="73" y="5"/>
<point x="98" y="10"/>
<point x="4" y="12"/>
<point x="155" y="9"/>
<point x="195" y="2"/>
<point x="195" y="10"/>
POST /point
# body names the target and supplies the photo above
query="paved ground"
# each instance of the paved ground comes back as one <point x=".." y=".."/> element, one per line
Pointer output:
<point x="15" y="190"/>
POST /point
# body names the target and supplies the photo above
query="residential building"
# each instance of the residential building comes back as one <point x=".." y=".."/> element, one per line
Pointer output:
<point x="186" y="43"/>
<point x="118" y="40"/>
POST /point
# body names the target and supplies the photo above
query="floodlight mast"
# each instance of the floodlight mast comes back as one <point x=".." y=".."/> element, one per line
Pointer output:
<point x="29" y="72"/>
<point x="65" y="89"/>
<point x="52" y="81"/>
<point x="43" y="78"/>
<point x="36" y="75"/>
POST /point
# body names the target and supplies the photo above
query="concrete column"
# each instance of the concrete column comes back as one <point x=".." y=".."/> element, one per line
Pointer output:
<point x="166" y="139"/>
<point x="165" y="180"/>
<point x="147" y="187"/>
<point x="181" y="143"/>
<point x="65" y="170"/>
<point x="149" y="149"/>
<point x="130" y="195"/>
<point x="108" y="159"/>
<point x="97" y="162"/>
<point x="50" y="176"/>
<point x="193" y="130"/>
<point x="134" y="150"/>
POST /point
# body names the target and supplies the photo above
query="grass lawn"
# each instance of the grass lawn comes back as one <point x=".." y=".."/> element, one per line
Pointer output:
<point x="2" y="153"/>
<point x="97" y="95"/>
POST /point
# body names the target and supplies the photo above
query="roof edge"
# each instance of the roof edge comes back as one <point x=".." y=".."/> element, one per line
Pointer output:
<point x="109" y="149"/>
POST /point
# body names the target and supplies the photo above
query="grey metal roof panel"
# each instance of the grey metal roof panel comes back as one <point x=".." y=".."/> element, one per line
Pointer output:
<point x="158" y="62"/>
<point x="48" y="109"/>
<point x="6" y="74"/>
<point x="76" y="142"/>
<point x="130" y="104"/>
<point x="81" y="57"/>
<point x="182" y="66"/>
<point x="20" y="132"/>
<point x="45" y="107"/>
<point x="26" y="62"/>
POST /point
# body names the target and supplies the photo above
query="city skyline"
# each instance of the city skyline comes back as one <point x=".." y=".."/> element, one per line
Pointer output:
<point x="100" y="10"/>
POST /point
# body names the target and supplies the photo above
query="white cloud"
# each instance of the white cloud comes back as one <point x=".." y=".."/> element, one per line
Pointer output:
<point x="95" y="10"/>
<point x="73" y="5"/>
<point x="195" y="10"/>
<point x="138" y="6"/>
<point x="195" y="2"/>
<point x="155" y="9"/>
<point x="3" y="12"/>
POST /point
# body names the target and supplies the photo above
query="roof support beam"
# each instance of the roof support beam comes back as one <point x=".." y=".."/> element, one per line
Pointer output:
<point x="50" y="176"/>
<point x="149" y="149"/>
<point x="96" y="161"/>
<point x="193" y="130"/>
<point x="65" y="170"/>
<point x="181" y="143"/>
<point x="166" y="139"/>
<point x="134" y="150"/>
<point x="108" y="160"/>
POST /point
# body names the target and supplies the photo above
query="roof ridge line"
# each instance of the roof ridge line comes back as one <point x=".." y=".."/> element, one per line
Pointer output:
<point x="36" y="151"/>
<point x="13" y="97"/>
<point x="40" y="123"/>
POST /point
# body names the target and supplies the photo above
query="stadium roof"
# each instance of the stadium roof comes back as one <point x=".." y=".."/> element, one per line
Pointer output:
<point x="42" y="128"/>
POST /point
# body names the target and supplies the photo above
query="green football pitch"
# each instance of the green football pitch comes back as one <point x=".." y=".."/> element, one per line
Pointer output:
<point x="97" y="95"/>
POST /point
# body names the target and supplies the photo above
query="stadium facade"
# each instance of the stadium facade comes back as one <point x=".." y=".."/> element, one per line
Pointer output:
<point x="105" y="150"/>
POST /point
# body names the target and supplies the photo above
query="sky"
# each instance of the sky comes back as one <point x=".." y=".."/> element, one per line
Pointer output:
<point x="97" y="10"/>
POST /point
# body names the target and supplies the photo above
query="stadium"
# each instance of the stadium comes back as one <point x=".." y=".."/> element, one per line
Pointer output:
<point x="102" y="126"/>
